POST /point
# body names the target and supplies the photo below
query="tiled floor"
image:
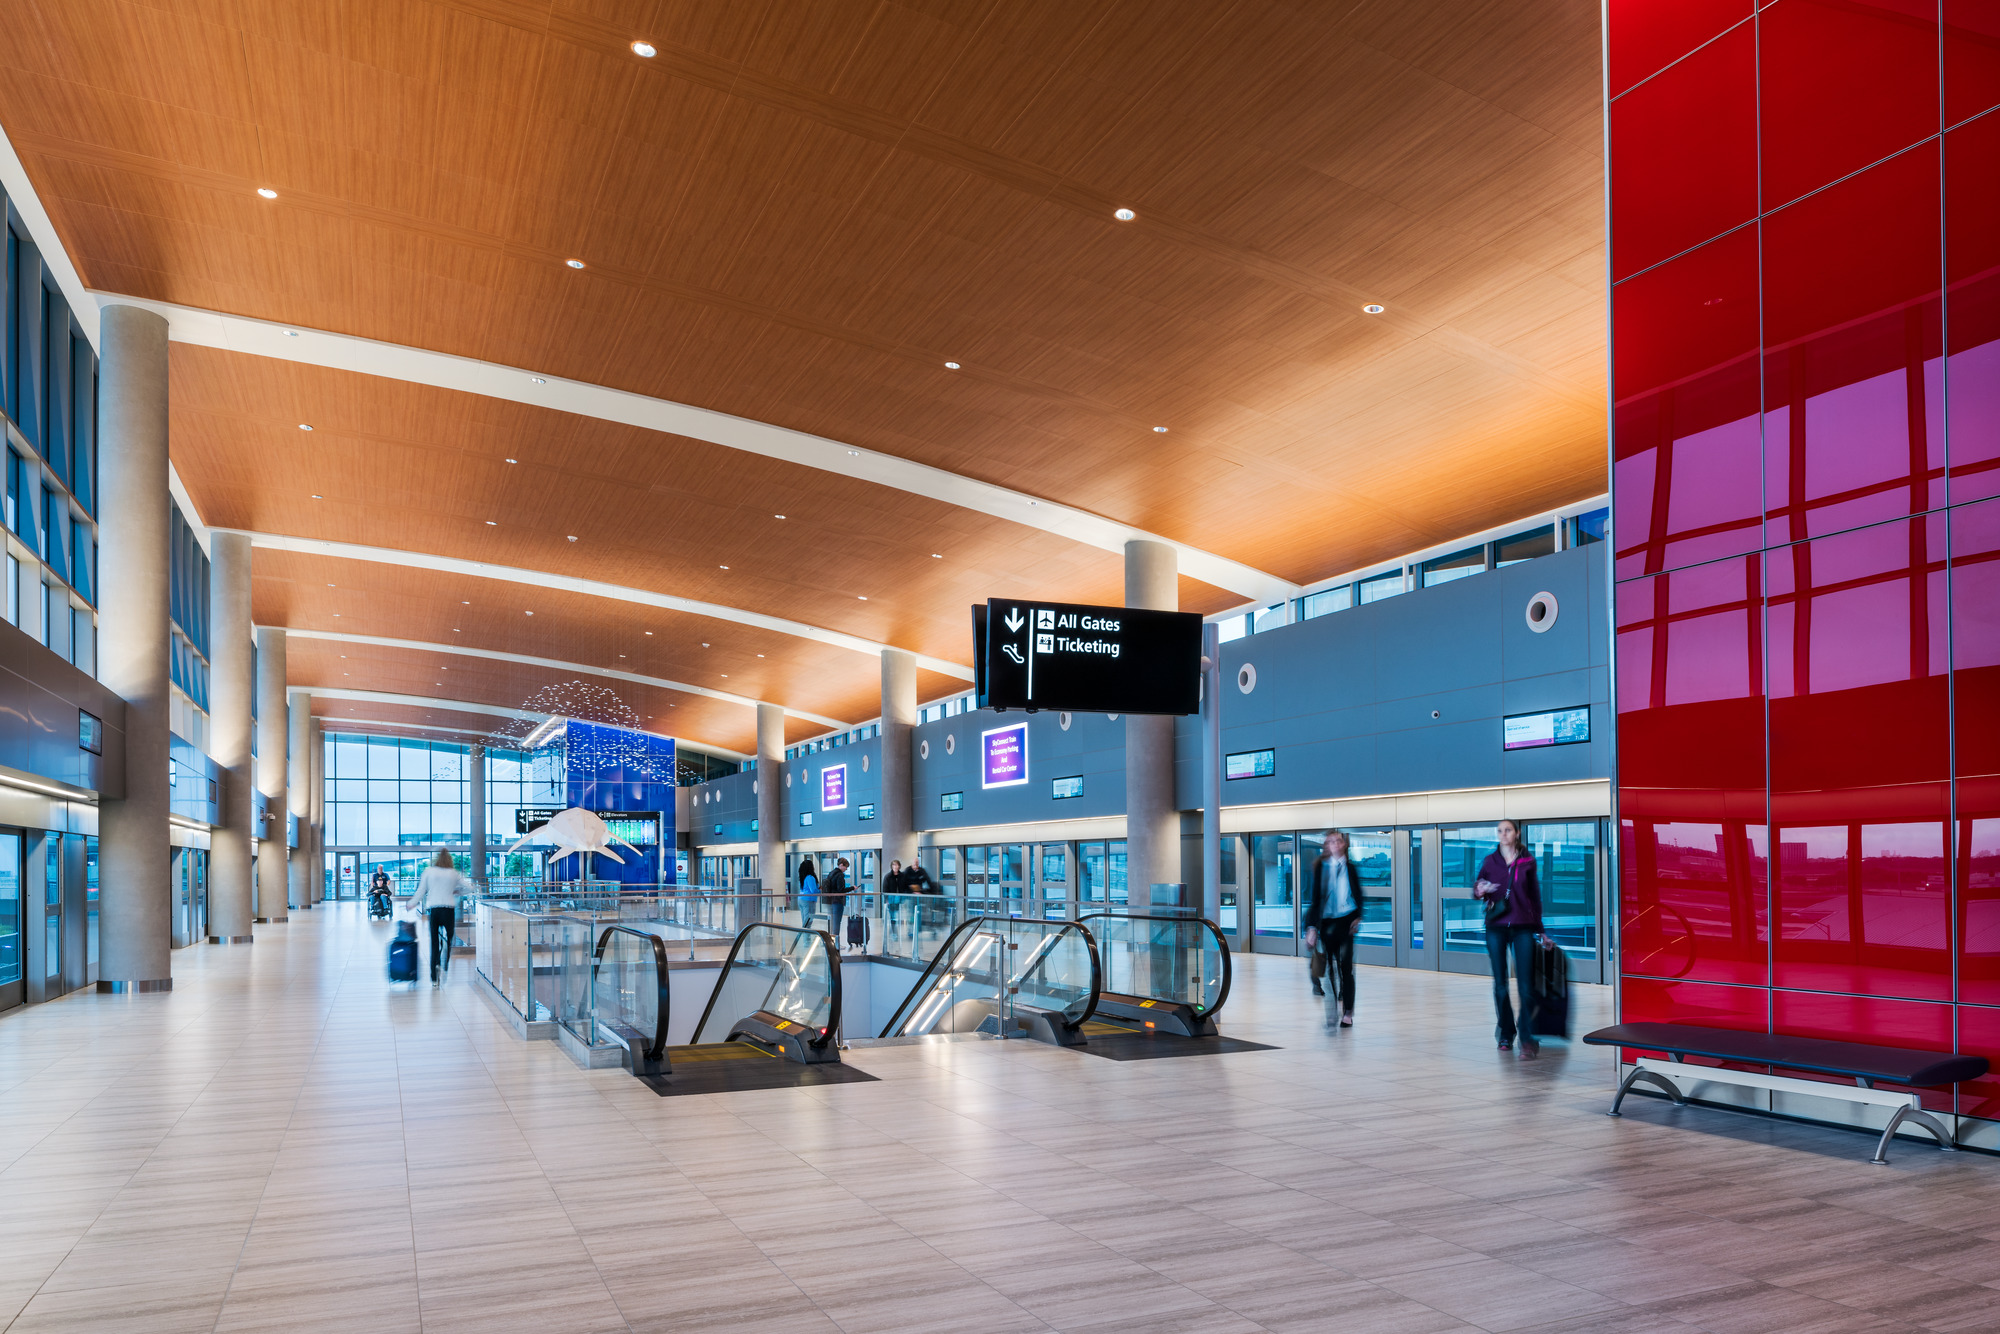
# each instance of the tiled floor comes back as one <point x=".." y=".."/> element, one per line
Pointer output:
<point x="285" y="1143"/>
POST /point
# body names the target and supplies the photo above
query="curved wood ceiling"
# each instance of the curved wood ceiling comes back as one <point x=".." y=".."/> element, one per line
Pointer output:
<point x="796" y="213"/>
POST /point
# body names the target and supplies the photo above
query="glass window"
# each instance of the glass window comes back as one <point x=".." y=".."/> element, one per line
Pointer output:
<point x="44" y="627"/>
<point x="1326" y="600"/>
<point x="1566" y="865"/>
<point x="1587" y="528"/>
<point x="1524" y="546"/>
<point x="1381" y="586"/>
<point x="1274" y="872"/>
<point x="13" y="490"/>
<point x="1233" y="628"/>
<point x="10" y="908"/>
<point x="1459" y="855"/>
<point x="1271" y="618"/>
<point x="1459" y="564"/>
<point x="1416" y="889"/>
<point x="13" y="591"/>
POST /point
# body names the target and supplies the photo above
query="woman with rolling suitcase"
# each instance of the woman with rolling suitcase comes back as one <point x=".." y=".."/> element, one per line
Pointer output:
<point x="437" y="896"/>
<point x="1513" y="897"/>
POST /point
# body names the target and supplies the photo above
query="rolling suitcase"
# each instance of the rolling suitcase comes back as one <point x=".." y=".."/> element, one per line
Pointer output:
<point x="1551" y="990"/>
<point x="403" y="953"/>
<point x="857" y="931"/>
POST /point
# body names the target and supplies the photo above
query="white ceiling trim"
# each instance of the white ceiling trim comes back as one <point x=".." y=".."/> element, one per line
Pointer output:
<point x="415" y="365"/>
<point x="417" y="701"/>
<point x="701" y="746"/>
<point x="527" y="660"/>
<point x="592" y="587"/>
<point x="42" y="231"/>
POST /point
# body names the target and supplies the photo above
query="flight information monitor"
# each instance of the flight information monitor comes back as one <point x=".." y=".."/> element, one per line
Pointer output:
<point x="1086" y="659"/>
<point x="1557" y="727"/>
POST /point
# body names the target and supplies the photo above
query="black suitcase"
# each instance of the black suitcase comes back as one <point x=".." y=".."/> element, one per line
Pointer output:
<point x="1551" y="990"/>
<point x="857" y="931"/>
<point x="403" y="955"/>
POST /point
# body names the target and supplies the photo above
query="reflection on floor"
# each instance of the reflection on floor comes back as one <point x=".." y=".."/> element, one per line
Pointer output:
<point x="283" y="1143"/>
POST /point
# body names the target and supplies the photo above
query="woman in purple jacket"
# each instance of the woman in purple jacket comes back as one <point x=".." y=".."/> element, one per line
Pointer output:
<point x="1513" y="896"/>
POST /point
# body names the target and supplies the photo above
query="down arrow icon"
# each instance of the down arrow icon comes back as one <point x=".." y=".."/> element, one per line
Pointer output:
<point x="1014" y="621"/>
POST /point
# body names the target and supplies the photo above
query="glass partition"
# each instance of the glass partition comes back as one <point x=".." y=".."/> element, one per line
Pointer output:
<point x="914" y="926"/>
<point x="628" y="990"/>
<point x="961" y="989"/>
<point x="1566" y="865"/>
<point x="1374" y="855"/>
<point x="1460" y="852"/>
<point x="779" y="970"/>
<point x="991" y="965"/>
<point x="1274" y="878"/>
<point x="1178" y="959"/>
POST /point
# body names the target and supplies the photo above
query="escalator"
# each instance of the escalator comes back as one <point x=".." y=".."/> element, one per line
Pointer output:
<point x="1006" y="977"/>
<point x="776" y="1000"/>
<point x="1163" y="975"/>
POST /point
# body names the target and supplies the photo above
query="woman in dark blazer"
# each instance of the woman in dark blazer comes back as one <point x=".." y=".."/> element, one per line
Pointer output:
<point x="1333" y="912"/>
<point x="1513" y="896"/>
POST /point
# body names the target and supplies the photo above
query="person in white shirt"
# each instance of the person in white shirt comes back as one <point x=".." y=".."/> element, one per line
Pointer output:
<point x="1332" y="914"/>
<point x="437" y="896"/>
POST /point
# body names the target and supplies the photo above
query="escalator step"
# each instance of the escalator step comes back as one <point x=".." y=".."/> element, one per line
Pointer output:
<point x="717" y="1051"/>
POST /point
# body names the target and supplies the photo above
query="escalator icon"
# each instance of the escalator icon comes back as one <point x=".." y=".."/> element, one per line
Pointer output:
<point x="1012" y="652"/>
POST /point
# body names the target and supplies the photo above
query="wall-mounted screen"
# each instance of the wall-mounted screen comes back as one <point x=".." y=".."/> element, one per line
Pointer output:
<point x="805" y="819"/>
<point x="1003" y="756"/>
<point x="1557" y="727"/>
<point x="865" y="811"/>
<point x="952" y="801"/>
<point x="1250" y="764"/>
<point x="1064" y="788"/>
<point x="90" y="732"/>
<point x="833" y="788"/>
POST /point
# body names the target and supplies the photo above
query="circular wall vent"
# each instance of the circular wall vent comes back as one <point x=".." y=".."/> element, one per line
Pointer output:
<point x="1246" y="678"/>
<point x="864" y="764"/>
<point x="1063" y="720"/>
<point x="1541" y="612"/>
<point x="950" y="743"/>
<point x="923" y="750"/>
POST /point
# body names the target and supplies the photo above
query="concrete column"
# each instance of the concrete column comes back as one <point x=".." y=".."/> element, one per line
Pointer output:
<point x="231" y="689"/>
<point x="136" y="890"/>
<point x="295" y="797"/>
<point x="273" y="723"/>
<point x="475" y="813"/>
<point x="1152" y="827"/>
<point x="316" y="787"/>
<point x="899" y="720"/>
<point x="771" y="798"/>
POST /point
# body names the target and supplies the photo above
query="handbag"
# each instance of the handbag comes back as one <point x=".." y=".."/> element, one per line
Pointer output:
<point x="1496" y="902"/>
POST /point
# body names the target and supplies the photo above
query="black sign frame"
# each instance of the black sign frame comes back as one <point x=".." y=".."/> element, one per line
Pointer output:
<point x="1089" y="659"/>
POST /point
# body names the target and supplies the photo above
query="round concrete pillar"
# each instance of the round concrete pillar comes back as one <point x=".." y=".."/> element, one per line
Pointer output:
<point x="771" y="798"/>
<point x="1152" y="826"/>
<point x="298" y="797"/>
<point x="899" y="721"/>
<point x="231" y="691"/>
<point x="273" y="727"/>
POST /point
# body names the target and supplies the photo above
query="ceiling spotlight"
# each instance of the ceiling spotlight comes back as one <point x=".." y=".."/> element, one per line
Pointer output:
<point x="937" y="555"/>
<point x="303" y="426"/>
<point x="1124" y="215"/>
<point x="951" y="365"/>
<point x="1371" y="310"/>
<point x="574" y="263"/>
<point x="854" y="453"/>
<point x="572" y="537"/>
<point x="644" y="49"/>
<point x="649" y="632"/>
<point x="492" y="523"/>
<point x="531" y="613"/>
<point x="621" y="655"/>
<point x="777" y="516"/>
<point x="722" y="567"/>
<point x="454" y="629"/>
<point x="465" y="604"/>
<point x="330" y="586"/>
<point x="319" y="497"/>
<point x="704" y="643"/>
<point x="725" y="676"/>
<point x="513" y="460"/>
<point x="267" y="192"/>
<point x="1159" y="430"/>
<point x="536" y="379"/>
<point x="862" y="596"/>
<point x="291" y="333"/>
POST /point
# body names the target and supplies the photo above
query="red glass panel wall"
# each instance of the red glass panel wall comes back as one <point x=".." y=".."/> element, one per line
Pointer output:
<point x="1805" y="259"/>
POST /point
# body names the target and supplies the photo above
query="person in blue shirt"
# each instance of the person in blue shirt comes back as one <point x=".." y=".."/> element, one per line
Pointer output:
<point x="808" y="891"/>
<point x="1333" y="913"/>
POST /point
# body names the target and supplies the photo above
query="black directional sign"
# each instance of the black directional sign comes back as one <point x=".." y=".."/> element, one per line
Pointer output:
<point x="1083" y="659"/>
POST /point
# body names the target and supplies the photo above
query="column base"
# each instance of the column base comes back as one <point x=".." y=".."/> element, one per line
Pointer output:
<point x="135" y="988"/>
<point x="229" y="940"/>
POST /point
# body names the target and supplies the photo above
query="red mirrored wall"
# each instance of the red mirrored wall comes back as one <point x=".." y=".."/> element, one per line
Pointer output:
<point x="1805" y="257"/>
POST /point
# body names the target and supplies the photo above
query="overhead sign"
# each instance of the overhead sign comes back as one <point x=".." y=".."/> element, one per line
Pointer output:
<point x="833" y="788"/>
<point x="1558" y="727"/>
<point x="1003" y="756"/>
<point x="1086" y="659"/>
<point x="636" y="827"/>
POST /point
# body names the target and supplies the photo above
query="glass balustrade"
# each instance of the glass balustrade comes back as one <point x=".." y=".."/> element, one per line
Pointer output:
<point x="1177" y="960"/>
<point x="785" y="972"/>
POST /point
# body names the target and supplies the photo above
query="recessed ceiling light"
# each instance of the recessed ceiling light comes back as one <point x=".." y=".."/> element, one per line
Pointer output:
<point x="1159" y="430"/>
<point x="572" y="537"/>
<point x="291" y="333"/>
<point x="465" y="604"/>
<point x="937" y="555"/>
<point x="722" y="567"/>
<point x="854" y="453"/>
<point x="649" y="632"/>
<point x="574" y="263"/>
<point x="537" y="379"/>
<point x="1371" y="310"/>
<point x="330" y="586"/>
<point x="862" y="596"/>
<point x="336" y="616"/>
<point x="454" y="629"/>
<point x="760" y="655"/>
<point x="621" y="655"/>
<point x="492" y="523"/>
<point x="319" y="497"/>
<point x="513" y="460"/>
<point x="951" y="365"/>
<point x="267" y="192"/>
<point x="304" y="427"/>
<point x="725" y="676"/>
<point x="777" y="516"/>
<point x="531" y="613"/>
<point x="644" y="49"/>
<point x="1124" y="215"/>
<point x="704" y="644"/>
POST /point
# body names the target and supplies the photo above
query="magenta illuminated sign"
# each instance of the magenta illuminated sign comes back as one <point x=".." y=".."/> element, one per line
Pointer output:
<point x="1003" y="756"/>
<point x="833" y="788"/>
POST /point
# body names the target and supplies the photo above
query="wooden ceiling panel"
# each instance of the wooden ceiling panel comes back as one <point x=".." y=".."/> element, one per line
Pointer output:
<point x="798" y="211"/>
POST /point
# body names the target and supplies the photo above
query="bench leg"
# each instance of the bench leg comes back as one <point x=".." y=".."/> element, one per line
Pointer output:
<point x="1924" y="1119"/>
<point x="1651" y="1078"/>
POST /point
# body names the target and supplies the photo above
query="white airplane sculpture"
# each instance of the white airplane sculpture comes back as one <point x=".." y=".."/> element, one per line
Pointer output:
<point x="576" y="830"/>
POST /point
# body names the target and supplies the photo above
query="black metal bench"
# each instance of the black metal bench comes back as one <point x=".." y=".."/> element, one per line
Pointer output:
<point x="1862" y="1062"/>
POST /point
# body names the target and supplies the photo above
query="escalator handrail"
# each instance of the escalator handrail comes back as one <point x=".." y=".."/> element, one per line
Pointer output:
<point x="1096" y="970"/>
<point x="832" y="954"/>
<point x="945" y="952"/>
<point x="659" y="1042"/>
<point x="1228" y="969"/>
